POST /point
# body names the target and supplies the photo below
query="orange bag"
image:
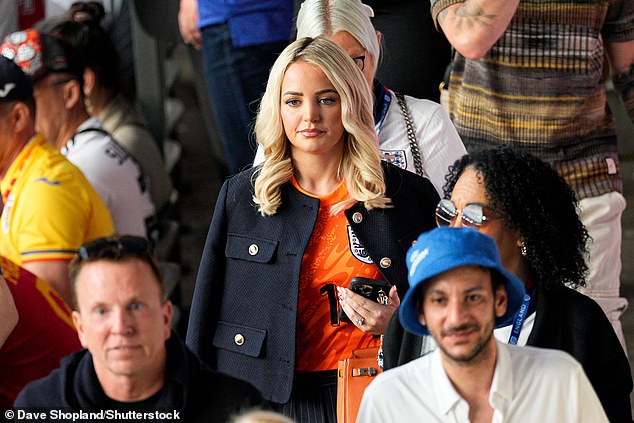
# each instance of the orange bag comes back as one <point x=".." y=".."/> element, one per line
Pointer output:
<point x="353" y="376"/>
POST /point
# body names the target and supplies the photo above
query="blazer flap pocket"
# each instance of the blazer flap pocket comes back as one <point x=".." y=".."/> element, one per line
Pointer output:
<point x="239" y="338"/>
<point x="250" y="248"/>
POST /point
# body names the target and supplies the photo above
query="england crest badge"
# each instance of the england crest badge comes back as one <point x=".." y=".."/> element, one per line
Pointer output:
<point x="395" y="157"/>
<point x="357" y="250"/>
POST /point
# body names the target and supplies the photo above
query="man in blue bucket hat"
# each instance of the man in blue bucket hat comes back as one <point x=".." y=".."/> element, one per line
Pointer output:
<point x="459" y="292"/>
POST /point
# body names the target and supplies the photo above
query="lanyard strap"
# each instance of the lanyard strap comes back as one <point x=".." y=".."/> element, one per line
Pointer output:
<point x="382" y="105"/>
<point x="518" y="321"/>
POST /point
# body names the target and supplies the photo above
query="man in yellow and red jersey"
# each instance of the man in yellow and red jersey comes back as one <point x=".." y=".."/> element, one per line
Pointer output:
<point x="50" y="208"/>
<point x="43" y="335"/>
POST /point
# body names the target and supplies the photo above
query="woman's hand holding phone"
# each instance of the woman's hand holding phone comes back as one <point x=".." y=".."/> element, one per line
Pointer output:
<point x="368" y="315"/>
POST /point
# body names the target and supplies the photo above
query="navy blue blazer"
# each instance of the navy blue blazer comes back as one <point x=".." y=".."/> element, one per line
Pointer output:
<point x="244" y="309"/>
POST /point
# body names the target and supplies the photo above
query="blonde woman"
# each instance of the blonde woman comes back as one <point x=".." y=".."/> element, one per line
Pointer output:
<point x="288" y="236"/>
<point x="414" y="134"/>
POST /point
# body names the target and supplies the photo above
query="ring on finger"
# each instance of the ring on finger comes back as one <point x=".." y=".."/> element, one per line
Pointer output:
<point x="360" y="321"/>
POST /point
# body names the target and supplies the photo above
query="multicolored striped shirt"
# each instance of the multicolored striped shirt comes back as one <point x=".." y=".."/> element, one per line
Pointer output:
<point x="541" y="88"/>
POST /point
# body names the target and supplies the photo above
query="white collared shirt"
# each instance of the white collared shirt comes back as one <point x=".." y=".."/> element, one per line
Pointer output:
<point x="529" y="385"/>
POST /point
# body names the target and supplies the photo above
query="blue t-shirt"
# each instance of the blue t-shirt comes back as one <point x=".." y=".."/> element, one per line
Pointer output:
<point x="251" y="22"/>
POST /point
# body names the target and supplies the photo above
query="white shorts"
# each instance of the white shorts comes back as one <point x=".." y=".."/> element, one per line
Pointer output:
<point x="602" y="218"/>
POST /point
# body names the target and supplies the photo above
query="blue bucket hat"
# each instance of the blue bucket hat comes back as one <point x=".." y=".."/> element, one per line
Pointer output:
<point x="446" y="248"/>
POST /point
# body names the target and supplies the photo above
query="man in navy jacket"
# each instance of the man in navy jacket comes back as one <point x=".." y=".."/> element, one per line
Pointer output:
<point x="133" y="364"/>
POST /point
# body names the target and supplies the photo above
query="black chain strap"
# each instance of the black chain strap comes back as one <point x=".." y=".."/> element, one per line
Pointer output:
<point x="411" y="134"/>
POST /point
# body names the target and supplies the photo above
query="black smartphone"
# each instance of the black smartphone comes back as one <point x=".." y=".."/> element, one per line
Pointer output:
<point x="372" y="289"/>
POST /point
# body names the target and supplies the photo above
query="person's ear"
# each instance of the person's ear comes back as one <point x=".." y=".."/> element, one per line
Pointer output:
<point x="168" y="312"/>
<point x="501" y="300"/>
<point x="421" y="312"/>
<point x="18" y="116"/>
<point x="89" y="81"/>
<point x="79" y="326"/>
<point x="23" y="117"/>
<point x="379" y="36"/>
<point x="72" y="94"/>
<point x="421" y="319"/>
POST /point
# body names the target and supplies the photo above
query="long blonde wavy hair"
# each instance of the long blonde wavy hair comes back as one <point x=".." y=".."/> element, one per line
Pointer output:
<point x="360" y="164"/>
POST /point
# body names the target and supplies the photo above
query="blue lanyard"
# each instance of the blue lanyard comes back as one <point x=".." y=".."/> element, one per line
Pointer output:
<point x="518" y="321"/>
<point x="383" y="100"/>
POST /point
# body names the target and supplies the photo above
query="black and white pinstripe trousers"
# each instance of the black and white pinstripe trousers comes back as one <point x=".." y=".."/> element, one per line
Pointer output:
<point x="313" y="398"/>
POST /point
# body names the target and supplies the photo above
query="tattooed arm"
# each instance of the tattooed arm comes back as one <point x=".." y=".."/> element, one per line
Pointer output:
<point x="473" y="26"/>
<point x="622" y="60"/>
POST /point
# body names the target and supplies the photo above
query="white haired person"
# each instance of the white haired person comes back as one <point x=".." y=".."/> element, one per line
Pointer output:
<point x="287" y="237"/>
<point x="413" y="134"/>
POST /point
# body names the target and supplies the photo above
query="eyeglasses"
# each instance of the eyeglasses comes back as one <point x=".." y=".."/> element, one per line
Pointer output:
<point x="360" y="61"/>
<point x="115" y="247"/>
<point x="472" y="214"/>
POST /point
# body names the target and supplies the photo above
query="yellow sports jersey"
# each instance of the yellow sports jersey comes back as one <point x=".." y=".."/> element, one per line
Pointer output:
<point x="50" y="208"/>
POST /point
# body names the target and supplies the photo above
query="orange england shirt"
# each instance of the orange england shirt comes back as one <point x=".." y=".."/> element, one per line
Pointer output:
<point x="329" y="258"/>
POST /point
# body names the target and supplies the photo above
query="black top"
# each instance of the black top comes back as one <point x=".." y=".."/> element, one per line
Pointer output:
<point x="192" y="390"/>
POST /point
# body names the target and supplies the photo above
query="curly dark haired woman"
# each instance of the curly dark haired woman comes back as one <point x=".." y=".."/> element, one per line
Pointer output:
<point x="531" y="213"/>
<point x="533" y="203"/>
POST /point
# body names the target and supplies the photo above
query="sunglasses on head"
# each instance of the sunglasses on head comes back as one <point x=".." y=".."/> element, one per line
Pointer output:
<point x="472" y="214"/>
<point x="115" y="247"/>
